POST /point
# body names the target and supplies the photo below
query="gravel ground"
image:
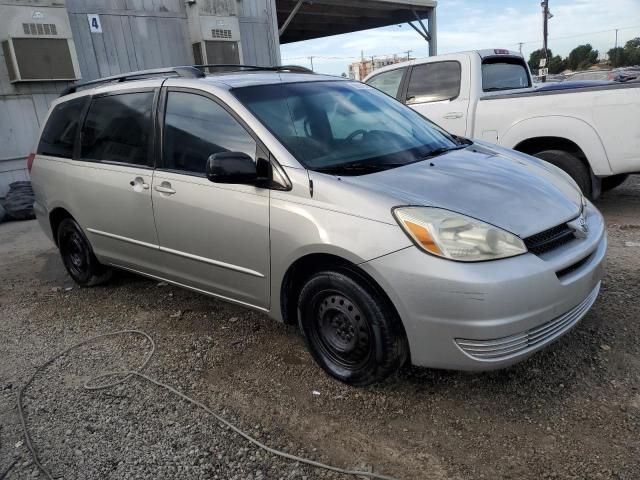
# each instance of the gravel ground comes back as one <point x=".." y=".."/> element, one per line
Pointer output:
<point x="571" y="411"/>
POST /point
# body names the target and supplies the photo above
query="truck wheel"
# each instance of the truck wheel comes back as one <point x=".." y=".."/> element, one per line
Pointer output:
<point x="353" y="334"/>
<point x="570" y="164"/>
<point x="609" y="183"/>
<point x="77" y="256"/>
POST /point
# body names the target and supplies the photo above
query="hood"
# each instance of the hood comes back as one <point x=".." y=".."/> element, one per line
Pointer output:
<point x="515" y="192"/>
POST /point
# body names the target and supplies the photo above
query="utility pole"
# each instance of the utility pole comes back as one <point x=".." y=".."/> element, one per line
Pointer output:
<point x="311" y="60"/>
<point x="616" y="48"/>
<point x="409" y="54"/>
<point x="520" y="47"/>
<point x="545" y="32"/>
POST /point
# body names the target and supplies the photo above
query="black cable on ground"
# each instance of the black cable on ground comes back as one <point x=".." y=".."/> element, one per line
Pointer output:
<point x="6" y="472"/>
<point x="126" y="375"/>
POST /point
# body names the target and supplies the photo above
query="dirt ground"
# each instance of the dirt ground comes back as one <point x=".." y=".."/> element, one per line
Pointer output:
<point x="571" y="411"/>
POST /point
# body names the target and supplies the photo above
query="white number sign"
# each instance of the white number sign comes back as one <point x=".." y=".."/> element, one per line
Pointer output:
<point x="94" y="23"/>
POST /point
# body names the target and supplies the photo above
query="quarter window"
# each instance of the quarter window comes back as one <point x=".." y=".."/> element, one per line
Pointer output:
<point x="388" y="82"/>
<point x="118" y="128"/>
<point x="59" y="133"/>
<point x="434" y="82"/>
<point x="196" y="127"/>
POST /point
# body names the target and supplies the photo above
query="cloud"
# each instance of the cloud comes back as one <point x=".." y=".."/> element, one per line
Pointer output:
<point x="467" y="25"/>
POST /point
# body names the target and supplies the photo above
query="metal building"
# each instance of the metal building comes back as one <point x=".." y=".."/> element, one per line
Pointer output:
<point x="48" y="43"/>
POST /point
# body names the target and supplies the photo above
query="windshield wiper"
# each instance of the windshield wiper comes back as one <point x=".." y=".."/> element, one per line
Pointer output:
<point x="363" y="167"/>
<point x="439" y="151"/>
<point x="353" y="167"/>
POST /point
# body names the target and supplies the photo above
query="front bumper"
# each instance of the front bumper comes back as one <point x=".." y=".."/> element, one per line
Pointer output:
<point x="487" y="315"/>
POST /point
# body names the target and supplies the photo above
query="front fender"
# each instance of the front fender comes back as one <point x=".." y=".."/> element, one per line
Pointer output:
<point x="298" y="230"/>
<point x="570" y="128"/>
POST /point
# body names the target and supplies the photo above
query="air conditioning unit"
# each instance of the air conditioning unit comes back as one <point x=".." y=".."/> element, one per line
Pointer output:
<point x="215" y="33"/>
<point x="37" y="44"/>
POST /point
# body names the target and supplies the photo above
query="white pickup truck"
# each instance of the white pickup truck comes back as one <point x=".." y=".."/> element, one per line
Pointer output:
<point x="592" y="132"/>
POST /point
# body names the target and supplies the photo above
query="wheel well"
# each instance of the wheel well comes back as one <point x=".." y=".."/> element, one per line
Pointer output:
<point x="55" y="217"/>
<point x="535" y="145"/>
<point x="306" y="266"/>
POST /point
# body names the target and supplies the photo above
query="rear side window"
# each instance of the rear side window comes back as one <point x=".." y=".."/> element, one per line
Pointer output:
<point x="118" y="128"/>
<point x="59" y="134"/>
<point x="434" y="82"/>
<point x="503" y="74"/>
<point x="388" y="82"/>
<point x="196" y="127"/>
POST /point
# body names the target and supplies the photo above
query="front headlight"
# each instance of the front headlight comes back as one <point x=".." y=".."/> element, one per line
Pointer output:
<point x="455" y="236"/>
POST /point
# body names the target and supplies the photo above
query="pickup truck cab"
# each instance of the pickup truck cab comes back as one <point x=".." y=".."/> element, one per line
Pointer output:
<point x="591" y="132"/>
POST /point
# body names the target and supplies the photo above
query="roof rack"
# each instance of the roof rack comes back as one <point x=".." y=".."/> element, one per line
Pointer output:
<point x="238" y="68"/>
<point x="186" y="71"/>
<point x="194" y="71"/>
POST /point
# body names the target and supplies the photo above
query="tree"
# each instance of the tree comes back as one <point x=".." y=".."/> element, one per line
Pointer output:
<point x="632" y="51"/>
<point x="617" y="57"/>
<point x="534" y="59"/>
<point x="557" y="64"/>
<point x="582" y="57"/>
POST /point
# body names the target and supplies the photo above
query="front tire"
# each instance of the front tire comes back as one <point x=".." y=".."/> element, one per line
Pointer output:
<point x="572" y="165"/>
<point x="352" y="333"/>
<point x="78" y="257"/>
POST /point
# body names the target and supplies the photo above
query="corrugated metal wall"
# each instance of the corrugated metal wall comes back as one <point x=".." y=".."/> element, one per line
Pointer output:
<point x="259" y="32"/>
<point x="136" y="34"/>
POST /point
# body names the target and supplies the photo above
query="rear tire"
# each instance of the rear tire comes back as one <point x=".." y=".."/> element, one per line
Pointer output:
<point x="78" y="257"/>
<point x="609" y="183"/>
<point x="572" y="165"/>
<point x="353" y="334"/>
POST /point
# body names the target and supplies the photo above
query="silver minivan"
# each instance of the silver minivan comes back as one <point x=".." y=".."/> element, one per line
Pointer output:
<point x="324" y="203"/>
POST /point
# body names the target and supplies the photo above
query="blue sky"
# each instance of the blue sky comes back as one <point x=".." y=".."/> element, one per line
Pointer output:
<point x="475" y="24"/>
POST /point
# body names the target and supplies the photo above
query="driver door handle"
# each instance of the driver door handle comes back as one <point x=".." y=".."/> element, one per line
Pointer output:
<point x="164" y="187"/>
<point x="453" y="115"/>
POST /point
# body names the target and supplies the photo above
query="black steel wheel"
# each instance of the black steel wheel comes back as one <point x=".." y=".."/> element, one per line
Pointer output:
<point x="77" y="255"/>
<point x="341" y="330"/>
<point x="351" y="331"/>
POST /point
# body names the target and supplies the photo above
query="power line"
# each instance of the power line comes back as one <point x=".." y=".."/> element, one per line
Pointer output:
<point x="578" y="35"/>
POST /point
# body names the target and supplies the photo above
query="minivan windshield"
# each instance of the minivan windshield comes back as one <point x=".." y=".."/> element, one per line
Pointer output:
<point x="344" y="127"/>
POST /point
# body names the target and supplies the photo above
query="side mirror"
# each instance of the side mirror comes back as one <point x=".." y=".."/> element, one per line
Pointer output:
<point x="232" y="167"/>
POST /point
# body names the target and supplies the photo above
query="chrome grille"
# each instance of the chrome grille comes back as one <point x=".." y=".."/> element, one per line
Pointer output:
<point x="549" y="239"/>
<point x="532" y="339"/>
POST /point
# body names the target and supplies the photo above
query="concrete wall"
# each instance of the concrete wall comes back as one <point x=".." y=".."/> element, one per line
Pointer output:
<point x="23" y="107"/>
<point x="136" y="35"/>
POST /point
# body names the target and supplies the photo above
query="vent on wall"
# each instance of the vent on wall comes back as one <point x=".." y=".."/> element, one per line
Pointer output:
<point x="39" y="29"/>
<point x="38" y="59"/>
<point x="221" y="33"/>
